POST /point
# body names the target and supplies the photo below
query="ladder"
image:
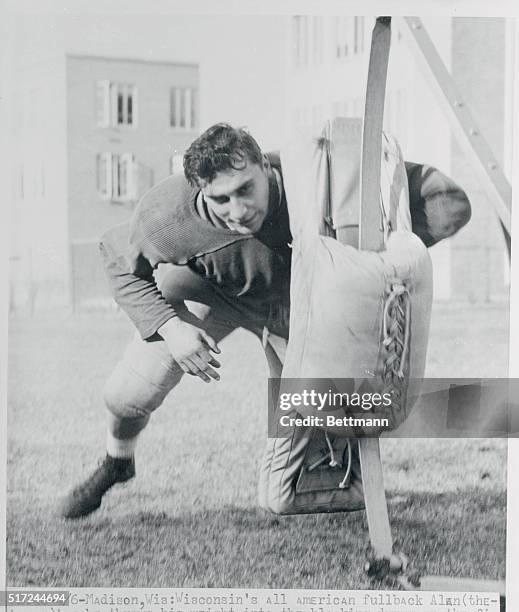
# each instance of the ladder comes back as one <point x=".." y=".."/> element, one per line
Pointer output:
<point x="462" y="122"/>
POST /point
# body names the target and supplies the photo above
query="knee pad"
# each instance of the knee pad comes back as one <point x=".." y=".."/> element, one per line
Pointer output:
<point x="141" y="380"/>
<point x="128" y="395"/>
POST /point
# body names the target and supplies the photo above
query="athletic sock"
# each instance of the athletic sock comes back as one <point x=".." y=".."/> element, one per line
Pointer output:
<point x="120" y="449"/>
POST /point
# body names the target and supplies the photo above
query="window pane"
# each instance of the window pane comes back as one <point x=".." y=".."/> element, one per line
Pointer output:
<point x="183" y="109"/>
<point x="187" y="100"/>
<point x="126" y="177"/>
<point x="337" y="29"/>
<point x="113" y="104"/>
<point x="194" y="100"/>
<point x="130" y="107"/>
<point x="115" y="176"/>
<point x="120" y="106"/>
<point x="173" y="107"/>
<point x="123" y="178"/>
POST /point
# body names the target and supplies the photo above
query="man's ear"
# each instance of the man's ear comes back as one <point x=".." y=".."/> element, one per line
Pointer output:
<point x="266" y="163"/>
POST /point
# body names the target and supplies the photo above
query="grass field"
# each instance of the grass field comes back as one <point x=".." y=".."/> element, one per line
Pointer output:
<point x="190" y="517"/>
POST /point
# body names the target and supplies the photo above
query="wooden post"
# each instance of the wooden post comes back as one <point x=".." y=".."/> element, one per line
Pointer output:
<point x="371" y="237"/>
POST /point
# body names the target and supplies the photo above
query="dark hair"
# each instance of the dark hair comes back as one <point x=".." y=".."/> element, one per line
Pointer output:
<point x="218" y="149"/>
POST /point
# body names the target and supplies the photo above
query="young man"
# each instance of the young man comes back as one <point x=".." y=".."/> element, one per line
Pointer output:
<point x="225" y="228"/>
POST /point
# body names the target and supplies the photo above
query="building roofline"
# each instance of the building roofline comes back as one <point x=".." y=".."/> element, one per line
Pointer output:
<point x="130" y="59"/>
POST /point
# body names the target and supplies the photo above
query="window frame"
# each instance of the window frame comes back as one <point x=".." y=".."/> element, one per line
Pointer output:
<point x="108" y="94"/>
<point x="119" y="177"/>
<point x="183" y="109"/>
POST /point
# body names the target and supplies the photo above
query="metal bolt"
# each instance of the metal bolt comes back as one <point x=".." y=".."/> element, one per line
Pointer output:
<point x="473" y="132"/>
<point x="492" y="165"/>
<point x="458" y="103"/>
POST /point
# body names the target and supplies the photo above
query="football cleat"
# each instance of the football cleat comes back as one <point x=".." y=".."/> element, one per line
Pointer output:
<point x="87" y="496"/>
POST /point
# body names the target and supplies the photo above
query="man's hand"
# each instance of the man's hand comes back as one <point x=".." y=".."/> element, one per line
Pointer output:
<point x="190" y="346"/>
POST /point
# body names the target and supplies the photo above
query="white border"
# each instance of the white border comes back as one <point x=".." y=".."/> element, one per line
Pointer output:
<point x="457" y="8"/>
<point x="5" y="72"/>
<point x="512" y="532"/>
<point x="503" y="8"/>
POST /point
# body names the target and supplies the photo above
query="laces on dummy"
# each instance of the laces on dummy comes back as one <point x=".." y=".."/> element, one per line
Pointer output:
<point x="396" y="328"/>
<point x="396" y="332"/>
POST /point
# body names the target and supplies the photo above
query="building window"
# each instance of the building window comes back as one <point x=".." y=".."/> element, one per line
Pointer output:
<point x="301" y="41"/>
<point x="342" y="37"/>
<point x="318" y="40"/>
<point x="349" y="36"/>
<point x="124" y="183"/>
<point x="116" y="104"/>
<point x="358" y="35"/>
<point x="194" y="108"/>
<point x="183" y="108"/>
<point x="116" y="177"/>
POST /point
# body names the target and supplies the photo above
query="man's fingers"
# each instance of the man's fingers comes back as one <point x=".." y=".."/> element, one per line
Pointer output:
<point x="208" y="358"/>
<point x="184" y="367"/>
<point x="203" y="376"/>
<point x="212" y="373"/>
<point x="194" y="370"/>
<point x="210" y="342"/>
<point x="203" y="366"/>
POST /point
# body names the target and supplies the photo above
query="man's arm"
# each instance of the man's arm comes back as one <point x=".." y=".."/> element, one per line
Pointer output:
<point x="439" y="207"/>
<point x="130" y="275"/>
<point x="129" y="264"/>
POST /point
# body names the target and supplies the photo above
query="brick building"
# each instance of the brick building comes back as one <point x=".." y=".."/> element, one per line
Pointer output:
<point x="92" y="134"/>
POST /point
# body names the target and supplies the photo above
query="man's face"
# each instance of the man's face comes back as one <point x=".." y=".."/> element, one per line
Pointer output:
<point x="239" y="198"/>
